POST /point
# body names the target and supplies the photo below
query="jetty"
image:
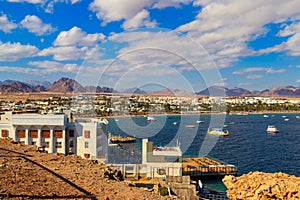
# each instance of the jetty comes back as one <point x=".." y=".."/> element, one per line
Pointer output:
<point x="206" y="166"/>
<point x="120" y="139"/>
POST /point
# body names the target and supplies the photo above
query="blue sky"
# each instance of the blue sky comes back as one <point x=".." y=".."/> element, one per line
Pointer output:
<point x="182" y="44"/>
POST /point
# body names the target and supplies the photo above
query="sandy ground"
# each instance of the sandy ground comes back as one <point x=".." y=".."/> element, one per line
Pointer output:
<point x="27" y="173"/>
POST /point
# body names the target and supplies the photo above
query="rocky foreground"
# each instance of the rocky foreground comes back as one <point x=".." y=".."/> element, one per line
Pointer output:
<point x="27" y="173"/>
<point x="263" y="186"/>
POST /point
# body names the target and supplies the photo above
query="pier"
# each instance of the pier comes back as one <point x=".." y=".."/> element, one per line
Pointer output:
<point x="120" y="139"/>
<point x="205" y="166"/>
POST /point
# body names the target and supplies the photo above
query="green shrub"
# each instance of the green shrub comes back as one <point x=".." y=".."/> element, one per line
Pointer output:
<point x="163" y="191"/>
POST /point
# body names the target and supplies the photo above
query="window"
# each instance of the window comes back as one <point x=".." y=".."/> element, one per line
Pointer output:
<point x="87" y="134"/>
<point x="33" y="143"/>
<point x="71" y="133"/>
<point x="58" y="134"/>
<point x="58" y="145"/>
<point x="71" y="143"/>
<point x="46" y="133"/>
<point x="4" y="133"/>
<point x="33" y="133"/>
<point x="86" y="144"/>
<point x="46" y="144"/>
<point x="21" y="133"/>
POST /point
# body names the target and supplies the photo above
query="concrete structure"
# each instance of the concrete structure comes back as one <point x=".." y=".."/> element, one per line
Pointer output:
<point x="157" y="162"/>
<point x="161" y="161"/>
<point x="54" y="132"/>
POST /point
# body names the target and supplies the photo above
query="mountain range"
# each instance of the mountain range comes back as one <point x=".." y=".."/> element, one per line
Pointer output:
<point x="67" y="85"/>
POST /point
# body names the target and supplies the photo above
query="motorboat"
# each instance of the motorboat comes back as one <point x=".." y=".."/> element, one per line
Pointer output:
<point x="151" y="119"/>
<point x="218" y="131"/>
<point x="272" y="129"/>
<point x="199" y="121"/>
<point x="190" y="126"/>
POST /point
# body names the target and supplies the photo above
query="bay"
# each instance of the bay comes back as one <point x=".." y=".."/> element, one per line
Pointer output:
<point x="248" y="146"/>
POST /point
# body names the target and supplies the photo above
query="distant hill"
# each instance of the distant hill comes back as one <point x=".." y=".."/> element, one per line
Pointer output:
<point x="8" y="87"/>
<point x="288" y="91"/>
<point x="134" y="90"/>
<point x="282" y="91"/>
<point x="170" y="92"/>
<point x="166" y="91"/>
<point x="66" y="85"/>
<point x="99" y="89"/>
<point x="63" y="85"/>
<point x="39" y="83"/>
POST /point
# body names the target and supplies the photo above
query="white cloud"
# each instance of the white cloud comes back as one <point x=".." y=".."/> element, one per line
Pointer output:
<point x="18" y="70"/>
<point x="169" y="3"/>
<point x="254" y="76"/>
<point x="75" y="36"/>
<point x="65" y="53"/>
<point x="292" y="45"/>
<point x="75" y="1"/>
<point x="259" y="69"/>
<point x="6" y="25"/>
<point x="298" y="81"/>
<point x="35" y="25"/>
<point x="47" y="5"/>
<point x="74" y="44"/>
<point x="15" y="51"/>
<point x="225" y="27"/>
<point x="139" y="20"/>
<point x="47" y="67"/>
<point x="168" y="48"/>
<point x="244" y="84"/>
<point x="29" y="1"/>
<point x="116" y="10"/>
<point x="42" y="68"/>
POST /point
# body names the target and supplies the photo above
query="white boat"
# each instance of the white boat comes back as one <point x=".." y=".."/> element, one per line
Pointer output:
<point x="218" y="131"/>
<point x="151" y="119"/>
<point x="272" y="129"/>
<point x="175" y="123"/>
<point x="266" y="116"/>
<point x="286" y="119"/>
<point x="199" y="121"/>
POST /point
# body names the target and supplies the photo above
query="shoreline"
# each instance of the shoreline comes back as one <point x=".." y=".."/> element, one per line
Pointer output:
<point x="203" y="113"/>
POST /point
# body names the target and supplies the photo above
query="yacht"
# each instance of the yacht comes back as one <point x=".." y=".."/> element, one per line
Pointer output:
<point x="218" y="131"/>
<point x="272" y="129"/>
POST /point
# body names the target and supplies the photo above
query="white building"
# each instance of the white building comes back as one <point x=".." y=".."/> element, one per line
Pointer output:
<point x="161" y="161"/>
<point x="86" y="138"/>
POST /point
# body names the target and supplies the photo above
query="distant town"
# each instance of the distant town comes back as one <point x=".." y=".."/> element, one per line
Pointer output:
<point x="68" y="96"/>
<point x="104" y="105"/>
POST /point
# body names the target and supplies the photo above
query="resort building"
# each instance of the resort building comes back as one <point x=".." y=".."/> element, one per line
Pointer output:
<point x="161" y="161"/>
<point x="56" y="134"/>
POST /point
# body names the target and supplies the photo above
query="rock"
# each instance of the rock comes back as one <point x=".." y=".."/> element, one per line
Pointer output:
<point x="259" y="185"/>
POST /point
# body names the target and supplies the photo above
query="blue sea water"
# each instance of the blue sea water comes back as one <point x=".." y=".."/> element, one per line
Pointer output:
<point x="248" y="146"/>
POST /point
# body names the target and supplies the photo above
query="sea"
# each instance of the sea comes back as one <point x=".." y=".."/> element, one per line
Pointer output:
<point x="248" y="145"/>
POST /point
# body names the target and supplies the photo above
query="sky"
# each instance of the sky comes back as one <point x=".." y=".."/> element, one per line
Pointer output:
<point x="178" y="44"/>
